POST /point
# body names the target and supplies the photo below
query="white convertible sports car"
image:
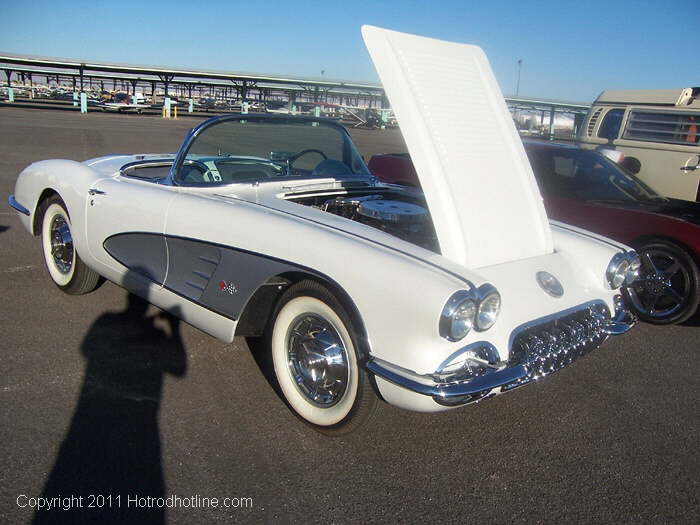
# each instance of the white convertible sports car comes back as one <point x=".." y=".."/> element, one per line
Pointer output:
<point x="272" y="226"/>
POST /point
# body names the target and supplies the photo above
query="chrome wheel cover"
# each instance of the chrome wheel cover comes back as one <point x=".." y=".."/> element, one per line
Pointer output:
<point x="62" y="249"/>
<point x="664" y="287"/>
<point x="317" y="359"/>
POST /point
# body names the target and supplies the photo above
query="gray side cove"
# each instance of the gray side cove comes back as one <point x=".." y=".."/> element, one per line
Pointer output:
<point x="144" y="253"/>
<point x="219" y="278"/>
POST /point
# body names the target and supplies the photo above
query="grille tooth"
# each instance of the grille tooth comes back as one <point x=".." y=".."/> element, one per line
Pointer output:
<point x="552" y="345"/>
<point x="579" y="335"/>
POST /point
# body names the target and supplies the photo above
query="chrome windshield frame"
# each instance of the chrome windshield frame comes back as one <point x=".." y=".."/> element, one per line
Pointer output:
<point x="194" y="132"/>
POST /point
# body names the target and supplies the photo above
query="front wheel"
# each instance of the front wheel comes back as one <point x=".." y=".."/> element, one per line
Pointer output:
<point x="66" y="268"/>
<point x="668" y="290"/>
<point x="315" y="359"/>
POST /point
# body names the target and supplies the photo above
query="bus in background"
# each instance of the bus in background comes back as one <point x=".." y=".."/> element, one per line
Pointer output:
<point x="657" y="131"/>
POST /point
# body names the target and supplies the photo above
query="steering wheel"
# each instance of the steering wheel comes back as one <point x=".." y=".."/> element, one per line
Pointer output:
<point x="198" y="166"/>
<point x="293" y="158"/>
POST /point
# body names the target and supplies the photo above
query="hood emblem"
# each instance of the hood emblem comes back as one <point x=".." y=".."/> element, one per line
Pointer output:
<point x="550" y="284"/>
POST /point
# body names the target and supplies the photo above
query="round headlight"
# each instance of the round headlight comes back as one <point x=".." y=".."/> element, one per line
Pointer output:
<point x="634" y="268"/>
<point x="457" y="317"/>
<point x="617" y="270"/>
<point x="462" y="320"/>
<point x="488" y="310"/>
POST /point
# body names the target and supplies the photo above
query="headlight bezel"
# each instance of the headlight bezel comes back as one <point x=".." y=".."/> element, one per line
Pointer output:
<point x="623" y="269"/>
<point x="634" y="267"/>
<point x="487" y="293"/>
<point x="460" y="299"/>
<point x="451" y="307"/>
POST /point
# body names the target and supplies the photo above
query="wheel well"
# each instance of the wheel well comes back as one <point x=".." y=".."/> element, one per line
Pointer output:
<point x="46" y="194"/>
<point x="258" y="310"/>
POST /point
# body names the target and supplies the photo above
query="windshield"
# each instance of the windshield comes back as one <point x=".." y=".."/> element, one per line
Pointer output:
<point x="586" y="175"/>
<point x="262" y="148"/>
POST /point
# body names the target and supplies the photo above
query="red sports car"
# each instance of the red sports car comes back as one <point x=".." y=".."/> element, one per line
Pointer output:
<point x="586" y="189"/>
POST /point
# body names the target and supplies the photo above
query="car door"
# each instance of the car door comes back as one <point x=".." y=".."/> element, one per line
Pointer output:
<point x="125" y="224"/>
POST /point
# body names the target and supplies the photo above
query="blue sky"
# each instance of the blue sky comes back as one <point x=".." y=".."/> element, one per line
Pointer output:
<point x="571" y="50"/>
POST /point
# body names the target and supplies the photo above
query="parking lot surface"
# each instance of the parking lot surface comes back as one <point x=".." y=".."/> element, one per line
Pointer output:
<point x="613" y="438"/>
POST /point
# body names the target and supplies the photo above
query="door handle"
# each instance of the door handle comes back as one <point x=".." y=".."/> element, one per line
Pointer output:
<point x="691" y="167"/>
<point x="96" y="192"/>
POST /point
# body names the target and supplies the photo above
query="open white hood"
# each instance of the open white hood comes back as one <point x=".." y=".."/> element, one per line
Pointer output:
<point x="482" y="194"/>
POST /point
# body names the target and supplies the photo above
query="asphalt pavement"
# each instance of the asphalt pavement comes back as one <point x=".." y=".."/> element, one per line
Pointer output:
<point x="613" y="438"/>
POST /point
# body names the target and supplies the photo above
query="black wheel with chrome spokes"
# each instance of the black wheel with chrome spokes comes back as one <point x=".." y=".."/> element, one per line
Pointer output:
<point x="668" y="290"/>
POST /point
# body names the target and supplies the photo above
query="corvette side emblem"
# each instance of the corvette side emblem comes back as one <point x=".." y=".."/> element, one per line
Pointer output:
<point x="227" y="287"/>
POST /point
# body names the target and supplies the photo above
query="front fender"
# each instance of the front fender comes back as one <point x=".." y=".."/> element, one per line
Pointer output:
<point x="71" y="180"/>
<point x="588" y="251"/>
<point x="398" y="297"/>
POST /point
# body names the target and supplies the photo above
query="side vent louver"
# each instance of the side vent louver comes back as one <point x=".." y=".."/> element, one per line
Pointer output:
<point x="592" y="122"/>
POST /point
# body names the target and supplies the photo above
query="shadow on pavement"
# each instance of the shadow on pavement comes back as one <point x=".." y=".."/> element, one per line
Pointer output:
<point x="3" y="228"/>
<point x="112" y="447"/>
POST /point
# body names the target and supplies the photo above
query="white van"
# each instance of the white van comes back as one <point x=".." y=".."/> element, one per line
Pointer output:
<point x="658" y="131"/>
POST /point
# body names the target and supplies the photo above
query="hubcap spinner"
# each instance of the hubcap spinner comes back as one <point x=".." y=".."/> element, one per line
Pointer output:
<point x="317" y="359"/>
<point x="62" y="249"/>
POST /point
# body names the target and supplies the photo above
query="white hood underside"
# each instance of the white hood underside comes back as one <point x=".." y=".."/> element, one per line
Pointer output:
<point x="482" y="194"/>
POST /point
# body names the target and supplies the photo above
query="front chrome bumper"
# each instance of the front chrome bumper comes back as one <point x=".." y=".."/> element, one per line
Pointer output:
<point x="449" y="394"/>
<point x="623" y="321"/>
<point x="16" y="205"/>
<point x="538" y="349"/>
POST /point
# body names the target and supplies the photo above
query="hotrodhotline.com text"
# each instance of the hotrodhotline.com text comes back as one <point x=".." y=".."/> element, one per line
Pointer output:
<point x="131" y="501"/>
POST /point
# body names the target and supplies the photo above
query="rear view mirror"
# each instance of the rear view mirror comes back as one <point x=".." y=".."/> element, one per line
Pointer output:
<point x="632" y="164"/>
<point x="280" y="156"/>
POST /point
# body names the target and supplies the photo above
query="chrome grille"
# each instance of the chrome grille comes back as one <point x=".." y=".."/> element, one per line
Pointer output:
<point x="552" y="344"/>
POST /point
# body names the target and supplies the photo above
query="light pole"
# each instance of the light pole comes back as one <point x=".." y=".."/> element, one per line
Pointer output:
<point x="517" y="86"/>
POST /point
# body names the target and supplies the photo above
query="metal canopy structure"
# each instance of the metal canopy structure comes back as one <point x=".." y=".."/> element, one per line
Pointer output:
<point x="243" y="86"/>
<point x="541" y="103"/>
<point x="547" y="111"/>
<point x="93" y="66"/>
<point x="244" y="83"/>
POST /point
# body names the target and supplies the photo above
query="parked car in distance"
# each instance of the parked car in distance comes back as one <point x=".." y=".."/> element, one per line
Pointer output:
<point x="658" y="130"/>
<point x="586" y="189"/>
<point x="271" y="226"/>
<point x="206" y="103"/>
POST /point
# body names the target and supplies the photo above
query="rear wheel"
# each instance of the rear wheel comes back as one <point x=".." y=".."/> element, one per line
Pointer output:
<point x="668" y="290"/>
<point x="66" y="268"/>
<point x="315" y="360"/>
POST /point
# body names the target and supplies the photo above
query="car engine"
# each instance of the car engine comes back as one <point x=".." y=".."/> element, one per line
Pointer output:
<point x="405" y="220"/>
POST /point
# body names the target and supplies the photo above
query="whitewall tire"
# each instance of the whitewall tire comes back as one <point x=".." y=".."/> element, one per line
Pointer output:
<point x="63" y="263"/>
<point x="315" y="359"/>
